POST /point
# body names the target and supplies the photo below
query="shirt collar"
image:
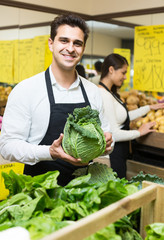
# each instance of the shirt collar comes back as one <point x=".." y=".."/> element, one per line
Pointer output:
<point x="54" y="82"/>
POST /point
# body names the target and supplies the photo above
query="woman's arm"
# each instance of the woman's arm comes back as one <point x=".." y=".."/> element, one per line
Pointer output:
<point x="110" y="111"/>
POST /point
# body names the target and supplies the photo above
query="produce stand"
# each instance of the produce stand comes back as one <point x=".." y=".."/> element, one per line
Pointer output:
<point x="150" y="199"/>
<point x="154" y="139"/>
<point x="149" y="149"/>
<point x="134" y="168"/>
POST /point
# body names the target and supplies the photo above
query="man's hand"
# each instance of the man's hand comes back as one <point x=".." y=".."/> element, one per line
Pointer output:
<point x="56" y="151"/>
<point x="109" y="140"/>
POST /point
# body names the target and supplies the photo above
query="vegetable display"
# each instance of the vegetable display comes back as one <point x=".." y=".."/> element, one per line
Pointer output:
<point x="83" y="136"/>
<point x="41" y="206"/>
<point x="141" y="176"/>
<point x="152" y="116"/>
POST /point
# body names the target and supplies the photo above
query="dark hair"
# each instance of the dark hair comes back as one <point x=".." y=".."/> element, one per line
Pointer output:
<point x="116" y="61"/>
<point x="81" y="70"/>
<point x="98" y="66"/>
<point x="71" y="20"/>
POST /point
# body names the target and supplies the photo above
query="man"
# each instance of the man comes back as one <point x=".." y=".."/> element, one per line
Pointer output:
<point x="96" y="79"/>
<point x="38" y="107"/>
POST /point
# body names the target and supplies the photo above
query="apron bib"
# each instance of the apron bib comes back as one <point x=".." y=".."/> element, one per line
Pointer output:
<point x="58" y="116"/>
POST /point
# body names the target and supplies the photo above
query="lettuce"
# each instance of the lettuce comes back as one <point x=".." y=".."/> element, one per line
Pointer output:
<point x="155" y="231"/>
<point x="83" y="136"/>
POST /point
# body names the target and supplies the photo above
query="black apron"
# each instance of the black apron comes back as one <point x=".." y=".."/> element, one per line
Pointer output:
<point x="121" y="149"/>
<point x="58" y="116"/>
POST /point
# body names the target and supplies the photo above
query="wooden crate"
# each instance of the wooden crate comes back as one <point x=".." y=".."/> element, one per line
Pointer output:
<point x="150" y="199"/>
<point x="154" y="139"/>
<point x="134" y="167"/>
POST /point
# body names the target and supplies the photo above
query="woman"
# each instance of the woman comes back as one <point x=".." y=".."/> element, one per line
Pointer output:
<point x="113" y="74"/>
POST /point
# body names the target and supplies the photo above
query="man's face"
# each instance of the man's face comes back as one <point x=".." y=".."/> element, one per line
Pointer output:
<point x="67" y="47"/>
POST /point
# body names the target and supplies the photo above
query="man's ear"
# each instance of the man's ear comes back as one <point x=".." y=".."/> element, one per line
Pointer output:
<point x="50" y="44"/>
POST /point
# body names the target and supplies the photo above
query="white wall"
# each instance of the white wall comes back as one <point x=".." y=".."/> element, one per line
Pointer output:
<point x="101" y="44"/>
<point x="93" y="7"/>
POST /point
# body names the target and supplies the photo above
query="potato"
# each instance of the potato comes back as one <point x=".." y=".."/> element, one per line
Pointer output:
<point x="142" y="102"/>
<point x="162" y="121"/>
<point x="161" y="129"/>
<point x="159" y="119"/>
<point x="124" y="94"/>
<point x="138" y="123"/>
<point x="145" y="120"/>
<point x="158" y="113"/>
<point x="132" y="100"/>
<point x="156" y="126"/>
<point x="149" y="101"/>
<point x="142" y="96"/>
<point x="151" y="114"/>
<point x="133" y="92"/>
<point x="131" y="106"/>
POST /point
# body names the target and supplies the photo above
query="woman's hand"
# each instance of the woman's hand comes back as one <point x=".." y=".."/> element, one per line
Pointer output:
<point x="147" y="128"/>
<point x="157" y="106"/>
<point x="56" y="151"/>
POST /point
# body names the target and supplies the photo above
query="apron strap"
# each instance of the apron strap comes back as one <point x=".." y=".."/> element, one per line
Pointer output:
<point x="49" y="87"/>
<point x="84" y="92"/>
<point x="127" y="121"/>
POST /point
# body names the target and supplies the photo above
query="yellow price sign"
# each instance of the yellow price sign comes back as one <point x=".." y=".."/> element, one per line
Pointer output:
<point x="126" y="54"/>
<point x="6" y="62"/>
<point x="149" y="58"/>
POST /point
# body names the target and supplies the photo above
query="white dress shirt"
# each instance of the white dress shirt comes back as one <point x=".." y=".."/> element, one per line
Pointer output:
<point x="27" y="114"/>
<point x="116" y="115"/>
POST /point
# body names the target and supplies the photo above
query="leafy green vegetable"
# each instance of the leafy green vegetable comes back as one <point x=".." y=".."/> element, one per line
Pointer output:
<point x="105" y="234"/>
<point x="16" y="183"/>
<point x="42" y="207"/>
<point x="99" y="173"/>
<point x="125" y="229"/>
<point x="155" y="231"/>
<point x="146" y="177"/>
<point x="83" y="136"/>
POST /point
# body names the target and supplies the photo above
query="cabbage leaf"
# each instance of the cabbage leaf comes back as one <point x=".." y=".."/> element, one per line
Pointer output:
<point x="83" y="136"/>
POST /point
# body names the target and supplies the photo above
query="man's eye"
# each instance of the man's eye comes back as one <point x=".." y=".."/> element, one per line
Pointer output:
<point x="63" y="40"/>
<point x="78" y="44"/>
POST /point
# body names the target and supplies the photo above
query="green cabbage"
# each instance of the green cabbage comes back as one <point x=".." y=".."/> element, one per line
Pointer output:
<point x="83" y="136"/>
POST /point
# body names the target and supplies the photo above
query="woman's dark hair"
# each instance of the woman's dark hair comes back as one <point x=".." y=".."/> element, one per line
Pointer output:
<point x="81" y="70"/>
<point x="98" y="66"/>
<point x="71" y="20"/>
<point x="116" y="61"/>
